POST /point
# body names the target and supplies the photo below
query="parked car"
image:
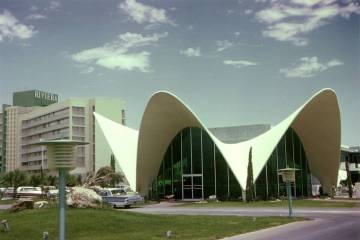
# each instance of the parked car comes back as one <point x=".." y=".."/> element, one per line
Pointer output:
<point x="117" y="197"/>
<point x="27" y="191"/>
<point x="50" y="191"/>
<point x="7" y="193"/>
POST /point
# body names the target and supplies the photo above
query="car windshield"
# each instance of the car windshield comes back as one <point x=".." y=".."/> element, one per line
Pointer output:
<point x="117" y="192"/>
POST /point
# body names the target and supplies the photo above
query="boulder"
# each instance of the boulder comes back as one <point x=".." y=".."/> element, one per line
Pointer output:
<point x="80" y="197"/>
<point x="41" y="204"/>
<point x="22" y="204"/>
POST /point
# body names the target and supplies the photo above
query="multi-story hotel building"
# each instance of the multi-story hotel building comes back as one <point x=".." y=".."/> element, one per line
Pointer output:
<point x="70" y="119"/>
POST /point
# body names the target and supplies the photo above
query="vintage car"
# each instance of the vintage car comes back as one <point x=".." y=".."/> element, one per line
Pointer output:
<point x="27" y="191"/>
<point x="117" y="197"/>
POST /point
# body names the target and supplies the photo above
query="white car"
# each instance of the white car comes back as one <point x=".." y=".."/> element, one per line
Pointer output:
<point x="117" y="197"/>
<point x="28" y="191"/>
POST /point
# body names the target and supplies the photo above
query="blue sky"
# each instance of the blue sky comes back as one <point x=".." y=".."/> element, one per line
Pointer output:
<point x="232" y="62"/>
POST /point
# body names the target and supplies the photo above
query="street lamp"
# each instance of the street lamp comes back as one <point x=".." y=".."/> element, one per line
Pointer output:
<point x="288" y="176"/>
<point x="61" y="157"/>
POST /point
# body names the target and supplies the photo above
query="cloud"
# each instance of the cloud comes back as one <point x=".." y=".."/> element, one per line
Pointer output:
<point x="230" y="11"/>
<point x="33" y="8"/>
<point x="240" y="63"/>
<point x="88" y="70"/>
<point x="191" y="52"/>
<point x="11" y="28"/>
<point x="120" y="54"/>
<point x="308" y="67"/>
<point x="248" y="11"/>
<point x="36" y="16"/>
<point x="223" y="45"/>
<point x="190" y="28"/>
<point x="142" y="13"/>
<point x="54" y="6"/>
<point x="291" y="21"/>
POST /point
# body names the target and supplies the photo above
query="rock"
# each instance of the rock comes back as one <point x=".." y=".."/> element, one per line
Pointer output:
<point x="80" y="197"/>
<point x="22" y="204"/>
<point x="41" y="204"/>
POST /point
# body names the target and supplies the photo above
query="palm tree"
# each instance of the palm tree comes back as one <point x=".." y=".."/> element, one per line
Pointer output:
<point x="14" y="179"/>
<point x="104" y="177"/>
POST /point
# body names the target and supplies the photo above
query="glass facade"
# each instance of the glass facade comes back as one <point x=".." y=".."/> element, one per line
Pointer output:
<point x="194" y="168"/>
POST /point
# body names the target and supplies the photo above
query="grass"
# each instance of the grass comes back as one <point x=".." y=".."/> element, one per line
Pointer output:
<point x="7" y="201"/>
<point x="296" y="204"/>
<point x="114" y="224"/>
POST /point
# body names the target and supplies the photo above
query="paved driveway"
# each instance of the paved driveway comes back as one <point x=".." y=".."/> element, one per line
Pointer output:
<point x="328" y="224"/>
<point x="5" y="206"/>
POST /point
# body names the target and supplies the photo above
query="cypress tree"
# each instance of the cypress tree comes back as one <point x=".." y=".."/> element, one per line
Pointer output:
<point x="112" y="162"/>
<point x="348" y="173"/>
<point x="250" y="179"/>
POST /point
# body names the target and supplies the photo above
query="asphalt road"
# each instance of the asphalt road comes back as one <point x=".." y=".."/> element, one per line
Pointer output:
<point x="5" y="206"/>
<point x="327" y="224"/>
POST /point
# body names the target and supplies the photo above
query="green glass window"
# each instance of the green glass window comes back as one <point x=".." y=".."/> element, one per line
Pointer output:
<point x="193" y="155"/>
<point x="209" y="172"/>
<point x="234" y="186"/>
<point x="272" y="173"/>
<point x="160" y="182"/>
<point x="289" y="148"/>
<point x="221" y="175"/>
<point x="196" y="150"/>
<point x="186" y="151"/>
<point x="177" y="174"/>
<point x="168" y="172"/>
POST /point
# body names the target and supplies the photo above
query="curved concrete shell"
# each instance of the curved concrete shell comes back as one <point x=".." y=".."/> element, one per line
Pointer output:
<point x="123" y="143"/>
<point x="317" y="123"/>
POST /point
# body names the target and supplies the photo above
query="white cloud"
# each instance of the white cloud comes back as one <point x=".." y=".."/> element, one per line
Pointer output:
<point x="88" y="70"/>
<point x="119" y="54"/>
<point x="237" y="33"/>
<point x="223" y="45"/>
<point x="130" y="40"/>
<point x="11" y="28"/>
<point x="240" y="63"/>
<point x="311" y="3"/>
<point x="291" y="21"/>
<point x="308" y="67"/>
<point x="33" y="8"/>
<point x="142" y="13"/>
<point x="36" y="16"/>
<point x="230" y="11"/>
<point x="132" y="61"/>
<point x="54" y="6"/>
<point x="190" y="28"/>
<point x="248" y="11"/>
<point x="191" y="52"/>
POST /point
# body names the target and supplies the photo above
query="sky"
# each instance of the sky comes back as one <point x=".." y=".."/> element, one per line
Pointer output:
<point x="234" y="62"/>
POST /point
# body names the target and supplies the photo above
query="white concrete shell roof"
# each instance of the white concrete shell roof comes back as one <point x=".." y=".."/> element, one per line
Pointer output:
<point x="317" y="123"/>
<point x="123" y="143"/>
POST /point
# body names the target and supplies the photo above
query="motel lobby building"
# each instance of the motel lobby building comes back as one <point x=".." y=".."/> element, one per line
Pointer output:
<point x="174" y="153"/>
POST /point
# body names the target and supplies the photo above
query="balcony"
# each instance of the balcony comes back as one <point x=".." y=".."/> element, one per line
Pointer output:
<point x="55" y="136"/>
<point x="62" y="115"/>
<point x="46" y="129"/>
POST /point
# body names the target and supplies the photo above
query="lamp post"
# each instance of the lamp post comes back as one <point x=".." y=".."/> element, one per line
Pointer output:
<point x="61" y="157"/>
<point x="288" y="176"/>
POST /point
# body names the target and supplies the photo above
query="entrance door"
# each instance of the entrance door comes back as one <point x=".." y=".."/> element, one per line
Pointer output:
<point x="192" y="186"/>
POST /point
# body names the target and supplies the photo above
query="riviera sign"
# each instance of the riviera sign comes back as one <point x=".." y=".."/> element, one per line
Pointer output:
<point x="45" y="95"/>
